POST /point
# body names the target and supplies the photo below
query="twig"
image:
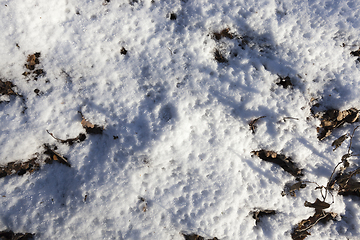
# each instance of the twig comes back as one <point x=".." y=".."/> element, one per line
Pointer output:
<point x="351" y="138"/>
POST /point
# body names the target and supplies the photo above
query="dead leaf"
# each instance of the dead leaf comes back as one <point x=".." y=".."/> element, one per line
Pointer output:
<point x="337" y="143"/>
<point x="195" y="237"/>
<point x="290" y="189"/>
<point x="347" y="184"/>
<point x="301" y="230"/>
<point x="54" y="156"/>
<point x="20" y="168"/>
<point x="81" y="137"/>
<point x="318" y="205"/>
<point x="333" y="118"/>
<point x="261" y="213"/>
<point x="89" y="127"/>
<point x="355" y="53"/>
<point x="10" y="235"/>
<point x="6" y="88"/>
<point x="253" y="122"/>
<point x="285" y="162"/>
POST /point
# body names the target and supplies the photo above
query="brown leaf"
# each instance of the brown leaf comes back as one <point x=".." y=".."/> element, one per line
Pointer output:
<point x="89" y="127"/>
<point x="54" y="156"/>
<point x="337" y="143"/>
<point x="253" y="122"/>
<point x="319" y="205"/>
<point x="290" y="189"/>
<point x="6" y="88"/>
<point x="285" y="162"/>
<point x="195" y="237"/>
<point x="301" y="230"/>
<point x="333" y="118"/>
<point x="261" y="213"/>
<point x="20" y="168"/>
<point x="10" y="235"/>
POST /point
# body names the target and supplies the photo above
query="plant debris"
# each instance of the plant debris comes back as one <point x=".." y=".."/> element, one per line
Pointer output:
<point x="123" y="51"/>
<point x="285" y="82"/>
<point x="253" y="122"/>
<point x="318" y="205"/>
<point x="142" y="204"/>
<point x="6" y="88"/>
<point x="355" y="53"/>
<point x="337" y="143"/>
<point x="223" y="33"/>
<point x="219" y="57"/>
<point x="300" y="232"/>
<point x="291" y="188"/>
<point x="285" y="162"/>
<point x="347" y="184"/>
<point x="31" y="62"/>
<point x="10" y="235"/>
<point x="332" y="119"/>
<point x="20" y="168"/>
<point x="261" y="213"/>
<point x="54" y="156"/>
<point x="89" y="127"/>
<point x="195" y="237"/>
<point x="80" y="138"/>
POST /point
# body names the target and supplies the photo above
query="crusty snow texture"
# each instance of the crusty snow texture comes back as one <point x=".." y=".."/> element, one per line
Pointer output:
<point x="181" y="118"/>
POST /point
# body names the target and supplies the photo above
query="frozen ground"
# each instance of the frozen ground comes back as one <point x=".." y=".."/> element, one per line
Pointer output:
<point x="176" y="141"/>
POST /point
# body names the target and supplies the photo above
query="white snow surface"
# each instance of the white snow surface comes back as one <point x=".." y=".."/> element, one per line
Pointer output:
<point x="181" y="118"/>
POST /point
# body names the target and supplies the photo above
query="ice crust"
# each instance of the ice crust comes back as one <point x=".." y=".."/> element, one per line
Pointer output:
<point x="181" y="118"/>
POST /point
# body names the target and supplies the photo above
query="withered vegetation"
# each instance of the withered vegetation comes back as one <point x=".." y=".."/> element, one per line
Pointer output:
<point x="258" y="214"/>
<point x="253" y="122"/>
<point x="70" y="141"/>
<point x="10" y="235"/>
<point x="332" y="119"/>
<point x="285" y="162"/>
<point x="196" y="237"/>
<point x="89" y="127"/>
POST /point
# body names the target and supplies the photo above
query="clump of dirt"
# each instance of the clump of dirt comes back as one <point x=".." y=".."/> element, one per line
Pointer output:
<point x="285" y="82"/>
<point x="6" y="88"/>
<point x="333" y="118"/>
<point x="225" y="33"/>
<point x="31" y="64"/>
<point x="285" y="162"/>
<point x="219" y="57"/>
<point x="123" y="51"/>
<point x="173" y="16"/>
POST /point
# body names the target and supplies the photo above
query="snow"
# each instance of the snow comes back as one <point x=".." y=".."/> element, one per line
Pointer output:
<point x="181" y="118"/>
